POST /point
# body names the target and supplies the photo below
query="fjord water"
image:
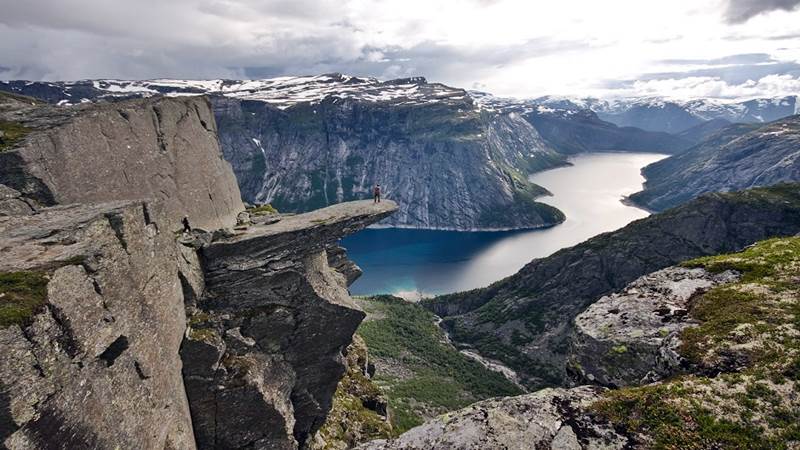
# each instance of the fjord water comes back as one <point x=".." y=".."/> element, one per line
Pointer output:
<point x="413" y="263"/>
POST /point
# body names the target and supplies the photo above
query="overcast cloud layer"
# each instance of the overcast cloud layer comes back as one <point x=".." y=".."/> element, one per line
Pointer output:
<point x="679" y="48"/>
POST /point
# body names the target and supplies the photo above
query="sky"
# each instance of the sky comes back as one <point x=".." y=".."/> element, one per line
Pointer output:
<point x="728" y="49"/>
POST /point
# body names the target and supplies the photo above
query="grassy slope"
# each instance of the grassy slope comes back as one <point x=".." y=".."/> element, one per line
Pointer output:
<point x="421" y="374"/>
<point x="12" y="133"/>
<point x="749" y="331"/>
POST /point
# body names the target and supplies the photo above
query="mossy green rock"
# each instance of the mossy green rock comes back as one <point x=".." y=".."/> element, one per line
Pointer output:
<point x="22" y="294"/>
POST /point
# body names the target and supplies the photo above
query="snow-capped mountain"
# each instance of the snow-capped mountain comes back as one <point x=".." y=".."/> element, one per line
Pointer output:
<point x="451" y="158"/>
<point x="572" y="126"/>
<point x="673" y="116"/>
<point x="282" y="92"/>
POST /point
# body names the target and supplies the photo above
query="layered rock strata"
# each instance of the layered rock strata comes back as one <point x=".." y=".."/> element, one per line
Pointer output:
<point x="263" y="351"/>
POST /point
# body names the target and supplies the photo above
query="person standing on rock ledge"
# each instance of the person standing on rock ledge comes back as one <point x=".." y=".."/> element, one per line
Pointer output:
<point x="377" y="193"/>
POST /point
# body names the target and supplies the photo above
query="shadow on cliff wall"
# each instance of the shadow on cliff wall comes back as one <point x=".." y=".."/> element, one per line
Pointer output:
<point x="7" y="425"/>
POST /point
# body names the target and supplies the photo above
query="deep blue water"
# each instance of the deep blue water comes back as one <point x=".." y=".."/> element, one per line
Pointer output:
<point x="409" y="262"/>
<point x="413" y="263"/>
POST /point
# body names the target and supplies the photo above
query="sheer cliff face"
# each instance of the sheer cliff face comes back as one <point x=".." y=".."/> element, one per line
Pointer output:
<point x="160" y="149"/>
<point x="90" y="327"/>
<point x="98" y="351"/>
<point x="525" y="319"/>
<point x="308" y="142"/>
<point x="736" y="157"/>
<point x="446" y="163"/>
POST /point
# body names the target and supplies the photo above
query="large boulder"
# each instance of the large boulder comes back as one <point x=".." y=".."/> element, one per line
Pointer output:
<point x="632" y="336"/>
<point x="556" y="419"/>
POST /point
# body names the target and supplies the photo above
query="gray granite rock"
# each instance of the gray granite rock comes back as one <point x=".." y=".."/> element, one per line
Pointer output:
<point x="263" y="352"/>
<point x="96" y="365"/>
<point x="12" y="203"/>
<point x="163" y="149"/>
<point x="448" y="164"/>
<point x="632" y="336"/>
<point x="548" y="419"/>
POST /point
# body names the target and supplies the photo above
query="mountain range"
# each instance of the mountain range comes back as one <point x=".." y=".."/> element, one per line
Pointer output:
<point x="120" y="330"/>
<point x="676" y="116"/>
<point x="452" y="159"/>
<point x="735" y="157"/>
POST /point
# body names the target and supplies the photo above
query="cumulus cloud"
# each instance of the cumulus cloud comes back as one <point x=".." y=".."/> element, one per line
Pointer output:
<point x="705" y="87"/>
<point x="743" y="10"/>
<point x="510" y="47"/>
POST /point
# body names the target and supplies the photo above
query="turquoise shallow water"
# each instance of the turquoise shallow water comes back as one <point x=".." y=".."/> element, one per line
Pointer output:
<point x="414" y="263"/>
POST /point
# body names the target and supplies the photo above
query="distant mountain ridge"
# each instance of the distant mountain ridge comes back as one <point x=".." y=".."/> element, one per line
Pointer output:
<point x="451" y="159"/>
<point x="281" y="92"/>
<point x="736" y="157"/>
<point x="675" y="116"/>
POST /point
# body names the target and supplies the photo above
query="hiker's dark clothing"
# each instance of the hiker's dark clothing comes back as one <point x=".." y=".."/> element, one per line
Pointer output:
<point x="377" y="193"/>
<point x="186" y="227"/>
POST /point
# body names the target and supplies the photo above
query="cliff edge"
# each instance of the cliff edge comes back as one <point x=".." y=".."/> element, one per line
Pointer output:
<point x="120" y="332"/>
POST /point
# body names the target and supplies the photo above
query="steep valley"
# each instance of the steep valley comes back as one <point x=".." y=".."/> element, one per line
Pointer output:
<point x="524" y="320"/>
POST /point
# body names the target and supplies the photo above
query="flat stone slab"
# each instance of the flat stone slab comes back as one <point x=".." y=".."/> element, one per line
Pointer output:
<point x="348" y="215"/>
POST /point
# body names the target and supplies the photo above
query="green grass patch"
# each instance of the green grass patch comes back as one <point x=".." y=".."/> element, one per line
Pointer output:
<point x="262" y="210"/>
<point x="12" y="133"/>
<point x="670" y="421"/>
<point x="720" y="312"/>
<point x="748" y="329"/>
<point x="22" y="295"/>
<point x="442" y="379"/>
<point x="761" y="262"/>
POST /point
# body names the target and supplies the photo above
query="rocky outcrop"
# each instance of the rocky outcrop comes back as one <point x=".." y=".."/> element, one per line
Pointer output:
<point x="99" y="354"/>
<point x="360" y="411"/>
<point x="162" y="149"/>
<point x="548" y="419"/>
<point x="12" y="203"/>
<point x="91" y="322"/>
<point x="263" y="351"/>
<point x="736" y="157"/>
<point x="632" y="336"/>
<point x="525" y="320"/>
